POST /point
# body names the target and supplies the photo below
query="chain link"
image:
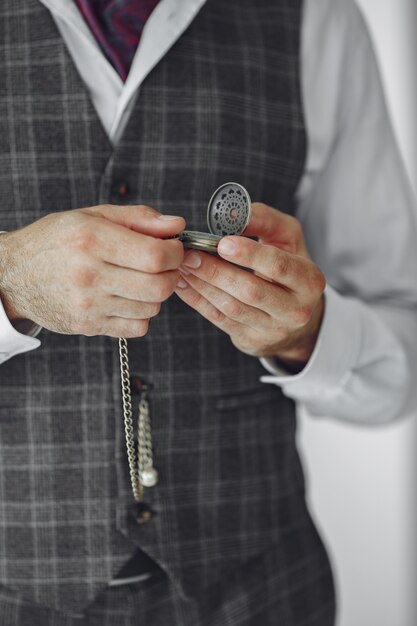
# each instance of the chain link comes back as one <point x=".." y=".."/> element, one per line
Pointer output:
<point x="128" y="420"/>
<point x="144" y="436"/>
<point x="142" y="472"/>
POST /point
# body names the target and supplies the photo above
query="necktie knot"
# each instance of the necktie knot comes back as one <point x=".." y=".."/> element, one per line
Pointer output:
<point x="117" y="26"/>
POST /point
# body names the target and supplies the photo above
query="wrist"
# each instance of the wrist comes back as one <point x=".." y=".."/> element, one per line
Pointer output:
<point x="6" y="289"/>
<point x="296" y="353"/>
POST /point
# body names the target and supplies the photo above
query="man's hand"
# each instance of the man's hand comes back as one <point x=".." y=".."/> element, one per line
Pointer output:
<point x="103" y="270"/>
<point x="275" y="311"/>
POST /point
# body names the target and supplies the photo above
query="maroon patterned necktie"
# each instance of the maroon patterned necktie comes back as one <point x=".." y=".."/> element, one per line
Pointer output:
<point x="117" y="26"/>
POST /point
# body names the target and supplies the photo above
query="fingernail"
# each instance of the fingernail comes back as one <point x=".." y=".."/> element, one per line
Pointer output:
<point x="168" y="218"/>
<point x="182" y="284"/>
<point x="192" y="260"/>
<point x="226" y="246"/>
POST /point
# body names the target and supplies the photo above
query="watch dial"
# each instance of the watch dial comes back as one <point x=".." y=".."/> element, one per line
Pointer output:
<point x="229" y="210"/>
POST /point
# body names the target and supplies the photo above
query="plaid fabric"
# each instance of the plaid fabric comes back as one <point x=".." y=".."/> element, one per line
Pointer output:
<point x="224" y="104"/>
<point x="260" y="594"/>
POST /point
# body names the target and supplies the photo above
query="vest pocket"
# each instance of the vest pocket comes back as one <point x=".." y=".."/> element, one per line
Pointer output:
<point x="249" y="398"/>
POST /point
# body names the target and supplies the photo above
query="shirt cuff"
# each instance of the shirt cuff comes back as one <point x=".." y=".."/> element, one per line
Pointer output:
<point x="334" y="356"/>
<point x="13" y="342"/>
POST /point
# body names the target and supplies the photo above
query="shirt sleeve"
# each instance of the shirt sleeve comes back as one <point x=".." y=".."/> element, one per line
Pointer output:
<point x="15" y="340"/>
<point x="359" y="220"/>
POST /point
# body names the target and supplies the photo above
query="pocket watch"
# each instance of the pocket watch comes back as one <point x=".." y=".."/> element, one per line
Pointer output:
<point x="228" y="213"/>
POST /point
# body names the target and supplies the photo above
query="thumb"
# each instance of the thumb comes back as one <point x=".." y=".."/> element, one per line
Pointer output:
<point x="276" y="228"/>
<point x="140" y="218"/>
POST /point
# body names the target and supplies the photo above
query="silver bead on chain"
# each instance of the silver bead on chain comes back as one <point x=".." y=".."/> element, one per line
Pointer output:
<point x="142" y="472"/>
<point x="148" y="476"/>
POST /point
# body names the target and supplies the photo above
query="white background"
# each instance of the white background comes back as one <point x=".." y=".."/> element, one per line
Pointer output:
<point x="362" y="481"/>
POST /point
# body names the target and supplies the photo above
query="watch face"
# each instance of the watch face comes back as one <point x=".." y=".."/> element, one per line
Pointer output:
<point x="199" y="241"/>
<point x="229" y="210"/>
<point x="228" y="213"/>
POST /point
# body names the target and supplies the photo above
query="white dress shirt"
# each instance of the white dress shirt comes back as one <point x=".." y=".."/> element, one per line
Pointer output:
<point x="354" y="203"/>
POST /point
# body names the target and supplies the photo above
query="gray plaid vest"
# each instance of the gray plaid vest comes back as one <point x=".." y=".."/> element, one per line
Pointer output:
<point x="224" y="104"/>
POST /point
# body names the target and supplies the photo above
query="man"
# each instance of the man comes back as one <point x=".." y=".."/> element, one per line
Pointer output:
<point x="103" y="163"/>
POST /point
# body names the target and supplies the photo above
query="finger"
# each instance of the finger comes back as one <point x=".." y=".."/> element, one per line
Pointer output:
<point x="294" y="272"/>
<point x="205" y="308"/>
<point x="131" y="309"/>
<point x="277" y="228"/>
<point x="140" y="218"/>
<point x="239" y="283"/>
<point x="139" y="286"/>
<point x="121" y="327"/>
<point x="231" y="307"/>
<point x="125" y="248"/>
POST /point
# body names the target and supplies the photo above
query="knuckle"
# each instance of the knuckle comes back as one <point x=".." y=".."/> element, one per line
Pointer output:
<point x="70" y="220"/>
<point x="232" y="309"/>
<point x="217" y="315"/>
<point x="94" y="210"/>
<point x="164" y="287"/>
<point x="246" y="343"/>
<point x="147" y="210"/>
<point x="109" y="328"/>
<point x="278" y="335"/>
<point x="140" y="327"/>
<point x="196" y="300"/>
<point x="83" y="276"/>
<point x="280" y="265"/>
<point x="251" y="292"/>
<point x="317" y="280"/>
<point x="295" y="224"/>
<point x="302" y="315"/>
<point x="213" y="272"/>
<point x="177" y="249"/>
<point x="84" y="238"/>
<point x="154" y="309"/>
<point x="130" y="330"/>
<point x="281" y="334"/>
<point x="157" y="261"/>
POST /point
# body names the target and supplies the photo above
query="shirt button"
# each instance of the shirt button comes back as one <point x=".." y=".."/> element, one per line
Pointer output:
<point x="143" y="513"/>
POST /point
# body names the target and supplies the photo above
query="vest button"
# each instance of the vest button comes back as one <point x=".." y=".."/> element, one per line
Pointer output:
<point x="120" y="190"/>
<point x="136" y="385"/>
<point x="143" y="513"/>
